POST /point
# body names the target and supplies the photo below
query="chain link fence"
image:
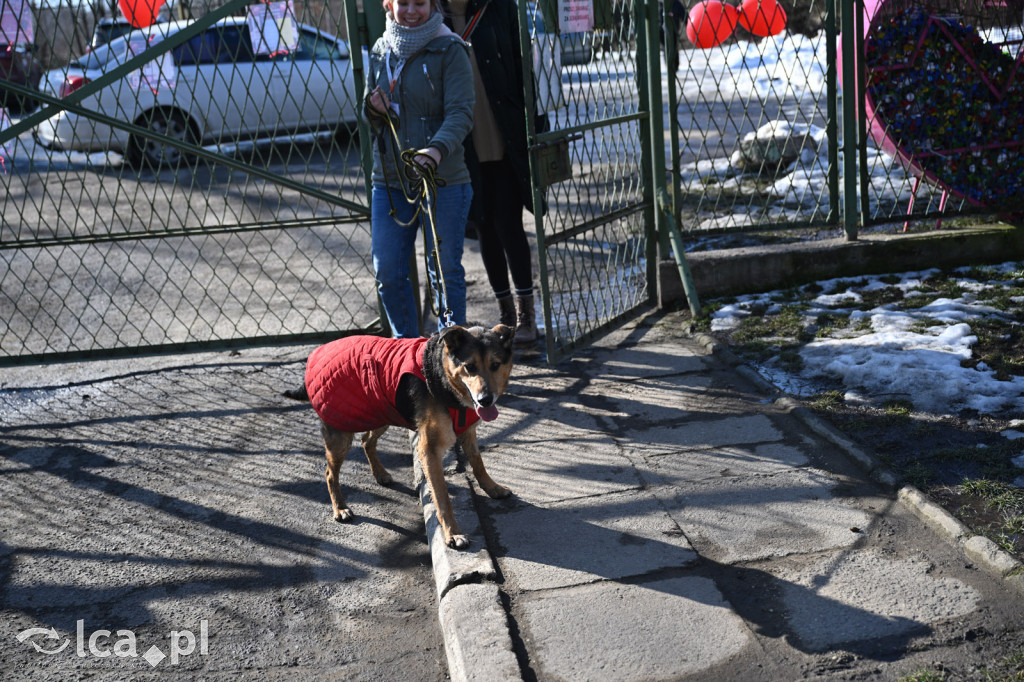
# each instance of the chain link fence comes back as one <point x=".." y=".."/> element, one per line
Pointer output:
<point x="203" y="183"/>
<point x="210" y="193"/>
<point x="595" y="241"/>
<point x="771" y="141"/>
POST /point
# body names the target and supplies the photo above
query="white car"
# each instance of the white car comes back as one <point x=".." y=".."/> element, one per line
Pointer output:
<point x="213" y="88"/>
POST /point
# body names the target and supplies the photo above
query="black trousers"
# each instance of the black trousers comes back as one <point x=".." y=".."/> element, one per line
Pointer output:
<point x="503" y="244"/>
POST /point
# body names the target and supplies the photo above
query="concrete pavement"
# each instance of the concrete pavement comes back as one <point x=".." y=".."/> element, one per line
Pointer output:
<point x="672" y="519"/>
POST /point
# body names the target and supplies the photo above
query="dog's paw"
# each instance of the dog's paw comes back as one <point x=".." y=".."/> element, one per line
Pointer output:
<point x="344" y="515"/>
<point x="497" y="492"/>
<point x="458" y="542"/>
<point x="385" y="478"/>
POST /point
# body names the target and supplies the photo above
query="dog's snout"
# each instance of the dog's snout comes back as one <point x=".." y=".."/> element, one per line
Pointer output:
<point x="486" y="399"/>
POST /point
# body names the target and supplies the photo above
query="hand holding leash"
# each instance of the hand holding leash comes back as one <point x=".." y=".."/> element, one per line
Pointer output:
<point x="378" y="103"/>
<point x="379" y="111"/>
<point x="422" y="163"/>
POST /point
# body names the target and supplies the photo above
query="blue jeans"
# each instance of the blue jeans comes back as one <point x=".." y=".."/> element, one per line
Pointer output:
<point x="393" y="244"/>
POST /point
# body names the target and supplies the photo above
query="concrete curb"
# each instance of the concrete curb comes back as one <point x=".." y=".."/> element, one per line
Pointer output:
<point x="477" y="637"/>
<point x="977" y="548"/>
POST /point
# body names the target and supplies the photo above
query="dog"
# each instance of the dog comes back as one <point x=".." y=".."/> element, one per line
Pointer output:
<point x="440" y="387"/>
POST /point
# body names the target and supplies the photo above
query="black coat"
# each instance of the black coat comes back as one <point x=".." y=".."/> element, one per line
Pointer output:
<point x="495" y="43"/>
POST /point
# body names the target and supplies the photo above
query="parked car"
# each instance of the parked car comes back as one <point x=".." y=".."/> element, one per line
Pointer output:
<point x="213" y="88"/>
<point x="18" y="65"/>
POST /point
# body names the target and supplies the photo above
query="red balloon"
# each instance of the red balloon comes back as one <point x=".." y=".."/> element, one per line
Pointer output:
<point x="710" y="23"/>
<point x="762" y="17"/>
<point x="140" y="13"/>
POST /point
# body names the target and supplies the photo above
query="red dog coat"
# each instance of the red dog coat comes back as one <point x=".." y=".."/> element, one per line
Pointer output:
<point x="352" y="382"/>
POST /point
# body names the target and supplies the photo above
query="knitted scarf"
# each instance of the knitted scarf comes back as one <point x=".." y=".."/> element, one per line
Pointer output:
<point x="407" y="41"/>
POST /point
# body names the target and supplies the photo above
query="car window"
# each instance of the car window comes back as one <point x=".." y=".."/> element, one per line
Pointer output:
<point x="218" y="45"/>
<point x="312" y="46"/>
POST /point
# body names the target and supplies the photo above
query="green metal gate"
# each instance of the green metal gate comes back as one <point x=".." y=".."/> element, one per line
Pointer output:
<point x="204" y="230"/>
<point x="594" y="169"/>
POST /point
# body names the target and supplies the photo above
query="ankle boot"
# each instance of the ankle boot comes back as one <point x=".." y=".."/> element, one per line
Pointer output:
<point x="507" y="311"/>
<point x="526" y="321"/>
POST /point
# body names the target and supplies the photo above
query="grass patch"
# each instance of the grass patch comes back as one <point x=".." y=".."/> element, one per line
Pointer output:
<point x="1006" y="669"/>
<point x="787" y="324"/>
<point x="919" y="474"/>
<point x="898" y="407"/>
<point x="879" y="297"/>
<point x="827" y="400"/>
<point x="997" y="511"/>
<point x="1000" y="346"/>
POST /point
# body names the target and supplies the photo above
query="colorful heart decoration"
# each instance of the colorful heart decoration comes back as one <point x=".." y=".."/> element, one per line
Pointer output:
<point x="710" y="22"/>
<point x="947" y="103"/>
<point x="140" y="13"/>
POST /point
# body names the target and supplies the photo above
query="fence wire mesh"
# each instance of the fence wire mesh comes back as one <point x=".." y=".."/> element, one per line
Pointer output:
<point x="201" y="182"/>
<point x="593" y="240"/>
<point x="757" y="142"/>
<point x="214" y="194"/>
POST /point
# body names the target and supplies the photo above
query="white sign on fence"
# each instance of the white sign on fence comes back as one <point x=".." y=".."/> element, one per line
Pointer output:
<point x="575" y="15"/>
<point x="154" y="74"/>
<point x="272" y="27"/>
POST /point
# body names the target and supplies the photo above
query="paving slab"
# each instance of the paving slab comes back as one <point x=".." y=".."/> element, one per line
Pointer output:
<point x="703" y="434"/>
<point x="760" y="517"/>
<point x="727" y="461"/>
<point x="557" y="462"/>
<point x="618" y="362"/>
<point x="844" y="598"/>
<point x="602" y="537"/>
<point x="658" y="630"/>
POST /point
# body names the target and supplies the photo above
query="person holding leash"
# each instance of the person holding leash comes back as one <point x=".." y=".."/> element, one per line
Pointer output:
<point x="497" y="155"/>
<point x="419" y="101"/>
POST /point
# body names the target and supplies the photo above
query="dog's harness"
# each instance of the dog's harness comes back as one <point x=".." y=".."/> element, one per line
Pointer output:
<point x="352" y="383"/>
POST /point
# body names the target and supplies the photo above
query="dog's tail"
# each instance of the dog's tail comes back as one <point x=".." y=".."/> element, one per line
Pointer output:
<point x="297" y="393"/>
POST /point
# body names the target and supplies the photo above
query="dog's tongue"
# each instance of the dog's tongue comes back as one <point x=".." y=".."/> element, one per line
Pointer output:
<point x="488" y="414"/>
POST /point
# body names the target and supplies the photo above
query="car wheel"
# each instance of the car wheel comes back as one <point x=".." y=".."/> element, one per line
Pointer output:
<point x="145" y="152"/>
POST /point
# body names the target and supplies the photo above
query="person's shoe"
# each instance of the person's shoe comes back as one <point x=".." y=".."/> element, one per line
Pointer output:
<point x="526" y="321"/>
<point x="507" y="311"/>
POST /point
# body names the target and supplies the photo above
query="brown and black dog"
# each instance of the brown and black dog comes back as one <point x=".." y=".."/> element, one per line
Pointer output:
<point x="439" y="387"/>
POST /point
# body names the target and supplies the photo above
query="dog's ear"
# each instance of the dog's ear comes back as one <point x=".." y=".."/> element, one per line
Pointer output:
<point x="505" y="335"/>
<point x="454" y="337"/>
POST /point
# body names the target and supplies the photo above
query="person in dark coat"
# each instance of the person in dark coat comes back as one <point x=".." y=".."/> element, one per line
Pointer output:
<point x="496" y="154"/>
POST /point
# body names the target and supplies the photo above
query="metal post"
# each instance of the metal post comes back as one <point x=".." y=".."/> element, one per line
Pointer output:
<point x="850" y="114"/>
<point x="663" y="208"/>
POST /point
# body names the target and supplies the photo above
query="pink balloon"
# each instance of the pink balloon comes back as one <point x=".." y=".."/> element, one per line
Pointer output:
<point x="710" y="23"/>
<point x="140" y="13"/>
<point x="762" y="17"/>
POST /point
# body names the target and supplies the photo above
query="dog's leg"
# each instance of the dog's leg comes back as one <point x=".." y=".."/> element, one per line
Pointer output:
<point x="336" y="444"/>
<point x="435" y="437"/>
<point x="472" y="450"/>
<point x="370" y="439"/>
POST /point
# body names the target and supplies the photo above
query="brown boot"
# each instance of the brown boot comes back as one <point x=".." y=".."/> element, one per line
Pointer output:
<point x="507" y="311"/>
<point x="526" y="321"/>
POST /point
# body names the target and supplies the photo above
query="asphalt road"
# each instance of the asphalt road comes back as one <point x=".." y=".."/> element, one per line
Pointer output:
<point x="174" y="510"/>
